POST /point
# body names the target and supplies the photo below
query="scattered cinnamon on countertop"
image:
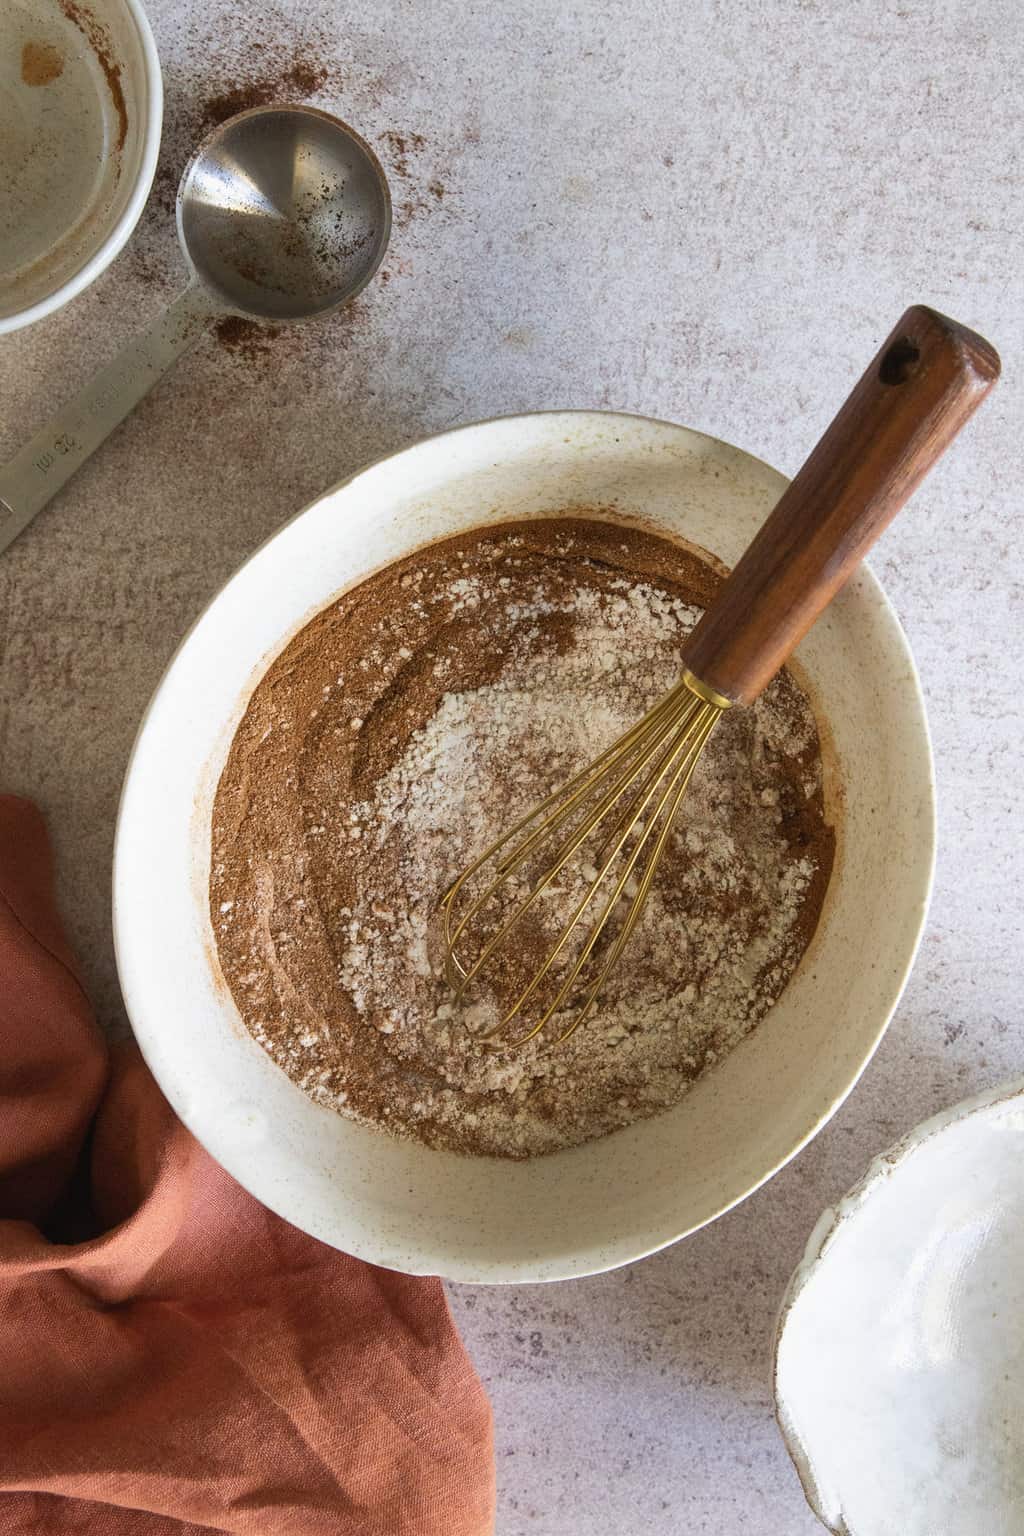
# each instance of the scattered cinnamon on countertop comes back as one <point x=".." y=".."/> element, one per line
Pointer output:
<point x="297" y="81"/>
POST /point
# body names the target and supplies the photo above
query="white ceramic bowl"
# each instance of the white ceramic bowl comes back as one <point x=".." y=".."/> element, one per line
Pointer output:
<point x="591" y="1208"/>
<point x="899" y="1372"/>
<point x="81" y="105"/>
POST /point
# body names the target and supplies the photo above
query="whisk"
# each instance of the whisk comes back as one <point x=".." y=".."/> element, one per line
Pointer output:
<point x="925" y="382"/>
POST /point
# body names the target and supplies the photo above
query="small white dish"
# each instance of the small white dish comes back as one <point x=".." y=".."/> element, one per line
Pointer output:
<point x="399" y="1203"/>
<point x="899" y="1365"/>
<point x="81" y="107"/>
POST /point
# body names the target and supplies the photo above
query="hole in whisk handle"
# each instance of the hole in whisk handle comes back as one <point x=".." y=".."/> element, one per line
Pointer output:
<point x="900" y="361"/>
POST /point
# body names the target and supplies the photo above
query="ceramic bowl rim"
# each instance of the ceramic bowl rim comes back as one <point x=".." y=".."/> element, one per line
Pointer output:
<point x="828" y="1226"/>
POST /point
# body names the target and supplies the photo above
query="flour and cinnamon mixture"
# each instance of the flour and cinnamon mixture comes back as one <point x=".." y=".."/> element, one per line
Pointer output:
<point x="405" y="727"/>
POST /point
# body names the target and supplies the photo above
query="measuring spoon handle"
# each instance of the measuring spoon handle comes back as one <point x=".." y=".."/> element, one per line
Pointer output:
<point x="38" y="470"/>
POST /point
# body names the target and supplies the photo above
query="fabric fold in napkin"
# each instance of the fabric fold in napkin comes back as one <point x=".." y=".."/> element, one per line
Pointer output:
<point x="173" y="1357"/>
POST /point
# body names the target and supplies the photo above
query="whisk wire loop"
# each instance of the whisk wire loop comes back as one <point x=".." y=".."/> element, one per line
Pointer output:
<point x="669" y="714"/>
<point x="682" y="761"/>
<point x="613" y="846"/>
<point x="638" y="782"/>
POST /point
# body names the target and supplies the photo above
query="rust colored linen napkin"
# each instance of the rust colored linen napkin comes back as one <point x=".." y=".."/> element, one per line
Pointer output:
<point x="173" y="1357"/>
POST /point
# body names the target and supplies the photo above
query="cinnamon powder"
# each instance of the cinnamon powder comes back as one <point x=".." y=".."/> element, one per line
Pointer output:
<point x="41" y="63"/>
<point x="96" y="36"/>
<point x="408" y="724"/>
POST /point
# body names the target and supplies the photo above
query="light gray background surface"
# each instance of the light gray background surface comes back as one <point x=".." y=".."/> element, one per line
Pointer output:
<point x="710" y="212"/>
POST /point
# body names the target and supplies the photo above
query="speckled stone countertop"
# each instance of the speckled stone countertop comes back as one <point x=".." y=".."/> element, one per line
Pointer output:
<point x="711" y="213"/>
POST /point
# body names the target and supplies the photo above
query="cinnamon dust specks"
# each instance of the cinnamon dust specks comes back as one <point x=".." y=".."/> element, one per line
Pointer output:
<point x="41" y="64"/>
<point x="253" y="342"/>
<point x="245" y="338"/>
<point x="401" y="147"/>
<point x="402" y="153"/>
<point x="299" y="80"/>
<point x="400" y="731"/>
<point x="96" y="36"/>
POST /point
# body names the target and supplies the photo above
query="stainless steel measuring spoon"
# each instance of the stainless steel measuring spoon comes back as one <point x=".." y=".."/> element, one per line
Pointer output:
<point x="283" y="214"/>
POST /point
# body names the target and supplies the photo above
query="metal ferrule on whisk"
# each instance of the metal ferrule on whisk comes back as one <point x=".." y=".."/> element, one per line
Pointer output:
<point x="705" y="691"/>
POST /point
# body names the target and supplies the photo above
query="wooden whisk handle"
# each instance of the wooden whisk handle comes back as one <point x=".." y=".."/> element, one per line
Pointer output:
<point x="929" y="377"/>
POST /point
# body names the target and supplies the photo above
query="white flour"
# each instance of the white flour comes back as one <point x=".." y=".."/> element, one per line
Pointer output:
<point x="719" y="936"/>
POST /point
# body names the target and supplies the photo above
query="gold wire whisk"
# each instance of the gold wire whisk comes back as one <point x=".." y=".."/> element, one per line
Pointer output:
<point x="657" y="756"/>
<point x="927" y="379"/>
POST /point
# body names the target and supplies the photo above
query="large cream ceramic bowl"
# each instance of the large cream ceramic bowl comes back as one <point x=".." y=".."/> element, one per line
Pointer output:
<point x="581" y="1211"/>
